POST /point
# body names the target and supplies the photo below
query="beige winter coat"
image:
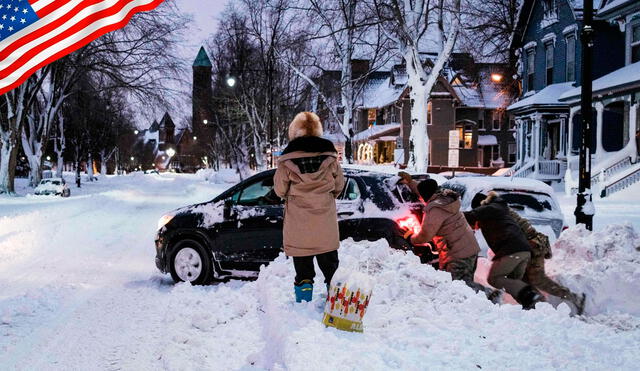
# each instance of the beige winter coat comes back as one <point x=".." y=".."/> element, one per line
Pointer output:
<point x="310" y="218"/>
<point x="446" y="225"/>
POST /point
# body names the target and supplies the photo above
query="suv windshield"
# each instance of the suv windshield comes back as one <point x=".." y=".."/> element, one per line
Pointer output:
<point x="535" y="201"/>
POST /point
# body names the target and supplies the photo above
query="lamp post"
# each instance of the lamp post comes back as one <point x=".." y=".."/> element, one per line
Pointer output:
<point x="584" y="208"/>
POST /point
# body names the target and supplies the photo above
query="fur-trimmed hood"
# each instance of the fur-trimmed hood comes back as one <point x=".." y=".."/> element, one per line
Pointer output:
<point x="310" y="145"/>
<point x="491" y="197"/>
<point x="305" y="124"/>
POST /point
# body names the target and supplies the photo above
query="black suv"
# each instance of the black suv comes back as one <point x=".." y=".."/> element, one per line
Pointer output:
<point x="234" y="234"/>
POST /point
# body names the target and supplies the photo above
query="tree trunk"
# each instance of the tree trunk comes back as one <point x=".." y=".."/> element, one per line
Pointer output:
<point x="8" y="161"/>
<point x="90" y="167"/>
<point x="103" y="163"/>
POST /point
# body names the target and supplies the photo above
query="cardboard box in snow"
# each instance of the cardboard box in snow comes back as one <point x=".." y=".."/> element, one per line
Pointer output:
<point x="347" y="301"/>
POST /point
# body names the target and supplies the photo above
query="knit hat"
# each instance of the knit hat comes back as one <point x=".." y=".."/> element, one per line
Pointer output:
<point x="477" y="199"/>
<point x="427" y="188"/>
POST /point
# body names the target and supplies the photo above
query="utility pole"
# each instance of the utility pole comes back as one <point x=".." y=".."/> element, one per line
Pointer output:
<point x="584" y="209"/>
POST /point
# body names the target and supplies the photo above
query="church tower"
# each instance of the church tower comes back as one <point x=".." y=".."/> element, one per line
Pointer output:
<point x="202" y="95"/>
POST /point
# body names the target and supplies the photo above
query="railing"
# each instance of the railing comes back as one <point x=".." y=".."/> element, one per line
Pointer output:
<point x="551" y="167"/>
<point x="524" y="171"/>
<point x="621" y="184"/>
<point x="512" y="170"/>
<point x="617" y="167"/>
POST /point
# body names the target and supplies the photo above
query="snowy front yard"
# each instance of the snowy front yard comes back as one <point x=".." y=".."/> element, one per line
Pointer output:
<point x="79" y="290"/>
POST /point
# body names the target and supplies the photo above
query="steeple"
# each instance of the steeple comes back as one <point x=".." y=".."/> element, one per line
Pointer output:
<point x="202" y="59"/>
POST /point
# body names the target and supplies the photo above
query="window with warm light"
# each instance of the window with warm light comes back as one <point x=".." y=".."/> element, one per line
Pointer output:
<point x="496" y="77"/>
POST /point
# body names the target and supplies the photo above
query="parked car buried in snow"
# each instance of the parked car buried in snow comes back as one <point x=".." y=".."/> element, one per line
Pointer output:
<point x="241" y="229"/>
<point x="530" y="198"/>
<point x="53" y="186"/>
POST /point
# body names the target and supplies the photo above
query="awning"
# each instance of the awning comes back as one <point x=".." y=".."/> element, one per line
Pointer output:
<point x="377" y="131"/>
<point x="387" y="138"/>
<point x="487" y="140"/>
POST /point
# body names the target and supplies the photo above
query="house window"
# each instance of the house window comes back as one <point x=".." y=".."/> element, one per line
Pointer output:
<point x="512" y="124"/>
<point x="496" y="120"/>
<point x="635" y="43"/>
<point x="481" y="124"/>
<point x="429" y="116"/>
<point x="512" y="152"/>
<point x="530" y="69"/>
<point x="550" y="12"/>
<point x="465" y="133"/>
<point x="571" y="58"/>
<point x="495" y="152"/>
<point x="548" y="52"/>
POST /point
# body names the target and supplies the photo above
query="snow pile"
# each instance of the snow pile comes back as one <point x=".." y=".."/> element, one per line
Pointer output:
<point x="417" y="319"/>
<point x="604" y="264"/>
<point x="218" y="177"/>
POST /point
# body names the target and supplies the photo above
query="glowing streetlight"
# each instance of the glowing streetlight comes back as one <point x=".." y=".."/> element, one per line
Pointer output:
<point x="496" y="77"/>
<point x="205" y="121"/>
<point x="195" y="138"/>
<point x="48" y="158"/>
<point x="132" y="158"/>
<point x="171" y="152"/>
<point x="136" y="132"/>
<point x="231" y="81"/>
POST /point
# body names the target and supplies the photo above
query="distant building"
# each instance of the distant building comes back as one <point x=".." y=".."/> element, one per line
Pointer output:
<point x="468" y="98"/>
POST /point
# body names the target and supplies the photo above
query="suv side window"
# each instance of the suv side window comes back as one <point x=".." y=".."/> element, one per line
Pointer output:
<point x="351" y="191"/>
<point x="259" y="193"/>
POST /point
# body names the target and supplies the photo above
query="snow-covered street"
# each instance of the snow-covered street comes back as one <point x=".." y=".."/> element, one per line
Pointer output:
<point x="79" y="290"/>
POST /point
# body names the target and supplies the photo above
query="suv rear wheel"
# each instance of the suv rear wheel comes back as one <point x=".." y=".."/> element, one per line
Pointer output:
<point x="190" y="262"/>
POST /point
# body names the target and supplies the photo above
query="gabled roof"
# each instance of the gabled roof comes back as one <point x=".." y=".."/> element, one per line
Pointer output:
<point x="615" y="7"/>
<point x="154" y="126"/>
<point x="202" y="59"/>
<point x="167" y="122"/>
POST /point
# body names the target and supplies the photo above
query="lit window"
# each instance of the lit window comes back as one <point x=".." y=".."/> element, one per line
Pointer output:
<point x="496" y="77"/>
<point x="465" y="133"/>
<point x="468" y="139"/>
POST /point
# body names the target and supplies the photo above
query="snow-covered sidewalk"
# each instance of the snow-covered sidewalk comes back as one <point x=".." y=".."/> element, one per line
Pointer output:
<point x="79" y="290"/>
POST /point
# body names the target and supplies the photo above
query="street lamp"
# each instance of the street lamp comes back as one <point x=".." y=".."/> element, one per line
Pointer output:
<point x="132" y="158"/>
<point x="195" y="137"/>
<point x="48" y="158"/>
<point x="171" y="152"/>
<point x="205" y="121"/>
<point x="231" y="81"/>
<point x="136" y="132"/>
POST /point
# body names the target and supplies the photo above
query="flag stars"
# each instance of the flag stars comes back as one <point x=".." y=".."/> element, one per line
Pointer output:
<point x="4" y="16"/>
<point x="22" y="20"/>
<point x="16" y="9"/>
<point x="10" y="28"/>
<point x="25" y="11"/>
<point x="1" y="26"/>
<point x="12" y="18"/>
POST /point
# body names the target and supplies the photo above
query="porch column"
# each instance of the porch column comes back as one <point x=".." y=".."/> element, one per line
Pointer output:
<point x="600" y="112"/>
<point x="519" y="149"/>
<point x="536" y="143"/>
<point x="563" y="136"/>
<point x="633" y="120"/>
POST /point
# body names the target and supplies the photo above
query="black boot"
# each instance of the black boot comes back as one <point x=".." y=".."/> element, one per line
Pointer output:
<point x="528" y="297"/>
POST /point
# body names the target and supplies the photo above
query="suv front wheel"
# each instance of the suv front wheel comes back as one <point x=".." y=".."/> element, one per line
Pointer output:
<point x="190" y="262"/>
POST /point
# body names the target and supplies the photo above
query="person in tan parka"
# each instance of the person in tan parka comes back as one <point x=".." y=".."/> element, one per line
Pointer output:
<point x="309" y="178"/>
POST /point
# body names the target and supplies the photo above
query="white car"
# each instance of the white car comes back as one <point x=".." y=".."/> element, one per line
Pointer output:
<point x="53" y="186"/>
<point x="530" y="198"/>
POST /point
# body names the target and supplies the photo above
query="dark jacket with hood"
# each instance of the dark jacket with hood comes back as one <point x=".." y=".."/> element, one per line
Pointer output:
<point x="502" y="233"/>
<point x="445" y="224"/>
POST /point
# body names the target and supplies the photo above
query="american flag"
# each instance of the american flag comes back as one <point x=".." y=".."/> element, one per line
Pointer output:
<point x="34" y="33"/>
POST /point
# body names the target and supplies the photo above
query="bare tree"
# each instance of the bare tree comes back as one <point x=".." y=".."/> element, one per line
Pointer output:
<point x="408" y="23"/>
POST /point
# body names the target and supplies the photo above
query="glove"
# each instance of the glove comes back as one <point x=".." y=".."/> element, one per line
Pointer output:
<point x="407" y="237"/>
<point x="405" y="177"/>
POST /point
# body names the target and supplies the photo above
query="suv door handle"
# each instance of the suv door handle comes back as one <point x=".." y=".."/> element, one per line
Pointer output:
<point x="272" y="220"/>
<point x="345" y="213"/>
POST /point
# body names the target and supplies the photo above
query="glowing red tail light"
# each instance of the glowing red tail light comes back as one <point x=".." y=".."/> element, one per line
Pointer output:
<point x="410" y="223"/>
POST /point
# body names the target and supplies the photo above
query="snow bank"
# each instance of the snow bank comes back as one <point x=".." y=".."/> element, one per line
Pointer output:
<point x="221" y="176"/>
<point x="604" y="264"/>
<point x="417" y="319"/>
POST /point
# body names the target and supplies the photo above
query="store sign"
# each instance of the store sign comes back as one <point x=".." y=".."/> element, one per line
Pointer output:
<point x="454" y="158"/>
<point x="454" y="139"/>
